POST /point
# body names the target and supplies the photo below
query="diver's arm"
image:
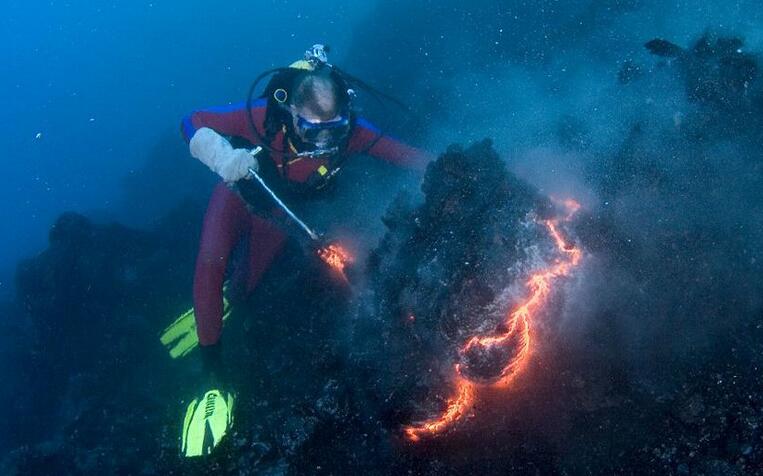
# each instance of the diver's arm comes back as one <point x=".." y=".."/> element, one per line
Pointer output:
<point x="366" y="138"/>
<point x="223" y="225"/>
<point x="230" y="120"/>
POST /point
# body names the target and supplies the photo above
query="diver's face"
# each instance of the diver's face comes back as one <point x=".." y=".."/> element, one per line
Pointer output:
<point x="323" y="131"/>
<point x="320" y="138"/>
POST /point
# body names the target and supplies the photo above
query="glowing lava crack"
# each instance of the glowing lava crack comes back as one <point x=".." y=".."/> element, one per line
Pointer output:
<point x="494" y="360"/>
<point x="337" y="258"/>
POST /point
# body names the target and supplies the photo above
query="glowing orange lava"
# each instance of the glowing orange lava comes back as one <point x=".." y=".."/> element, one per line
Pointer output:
<point x="512" y="340"/>
<point x="455" y="409"/>
<point x="336" y="257"/>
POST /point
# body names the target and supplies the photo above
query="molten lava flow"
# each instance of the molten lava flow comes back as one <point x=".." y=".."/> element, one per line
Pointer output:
<point x="456" y="408"/>
<point x="336" y="257"/>
<point x="497" y="358"/>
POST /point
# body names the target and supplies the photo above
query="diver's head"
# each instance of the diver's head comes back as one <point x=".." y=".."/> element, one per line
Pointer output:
<point x="319" y="109"/>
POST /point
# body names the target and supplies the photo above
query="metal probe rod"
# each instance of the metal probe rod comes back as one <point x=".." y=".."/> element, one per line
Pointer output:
<point x="313" y="235"/>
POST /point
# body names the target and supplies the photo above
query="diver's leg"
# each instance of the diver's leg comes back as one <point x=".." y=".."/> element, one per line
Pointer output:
<point x="224" y="222"/>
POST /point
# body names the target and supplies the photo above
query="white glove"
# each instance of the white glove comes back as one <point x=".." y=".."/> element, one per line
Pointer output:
<point x="216" y="153"/>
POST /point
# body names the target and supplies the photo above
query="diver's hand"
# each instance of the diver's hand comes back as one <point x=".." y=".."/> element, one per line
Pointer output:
<point x="237" y="166"/>
<point x="219" y="155"/>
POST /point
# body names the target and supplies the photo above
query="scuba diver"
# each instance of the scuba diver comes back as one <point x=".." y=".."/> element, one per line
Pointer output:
<point x="302" y="128"/>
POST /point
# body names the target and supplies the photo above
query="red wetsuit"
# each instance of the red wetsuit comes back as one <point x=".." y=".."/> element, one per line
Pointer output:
<point x="228" y="220"/>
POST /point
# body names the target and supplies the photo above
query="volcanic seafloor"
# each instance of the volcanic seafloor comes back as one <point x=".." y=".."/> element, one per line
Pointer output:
<point x="644" y="359"/>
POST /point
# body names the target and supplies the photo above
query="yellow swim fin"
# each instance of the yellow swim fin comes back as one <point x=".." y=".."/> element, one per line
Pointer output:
<point x="206" y="422"/>
<point x="180" y="337"/>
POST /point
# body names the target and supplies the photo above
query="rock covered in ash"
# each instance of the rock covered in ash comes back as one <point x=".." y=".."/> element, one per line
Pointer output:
<point x="89" y="381"/>
<point x="442" y="270"/>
